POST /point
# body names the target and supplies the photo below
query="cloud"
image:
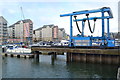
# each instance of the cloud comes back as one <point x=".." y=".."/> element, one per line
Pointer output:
<point x="49" y="13"/>
<point x="11" y="11"/>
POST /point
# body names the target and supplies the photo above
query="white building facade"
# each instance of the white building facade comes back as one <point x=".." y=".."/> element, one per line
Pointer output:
<point x="49" y="33"/>
<point x="3" y="30"/>
<point x="21" y="31"/>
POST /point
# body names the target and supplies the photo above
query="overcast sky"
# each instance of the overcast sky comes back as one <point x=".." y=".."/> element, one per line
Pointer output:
<point x="45" y="12"/>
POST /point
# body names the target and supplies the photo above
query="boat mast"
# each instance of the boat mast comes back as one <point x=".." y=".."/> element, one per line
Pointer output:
<point x="22" y="14"/>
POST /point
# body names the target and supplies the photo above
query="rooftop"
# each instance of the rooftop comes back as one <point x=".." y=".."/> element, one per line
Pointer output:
<point x="24" y="21"/>
<point x="51" y="25"/>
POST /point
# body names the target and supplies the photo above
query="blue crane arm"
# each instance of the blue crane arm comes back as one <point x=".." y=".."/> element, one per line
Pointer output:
<point x="104" y="9"/>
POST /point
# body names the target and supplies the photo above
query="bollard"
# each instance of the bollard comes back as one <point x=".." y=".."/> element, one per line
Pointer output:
<point x="6" y="55"/>
<point x="18" y="56"/>
<point x="37" y="57"/>
<point x="11" y="55"/>
<point x="25" y="56"/>
<point x="69" y="57"/>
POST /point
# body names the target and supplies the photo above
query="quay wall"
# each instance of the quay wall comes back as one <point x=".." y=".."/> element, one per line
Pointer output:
<point x="102" y="56"/>
<point x="93" y="58"/>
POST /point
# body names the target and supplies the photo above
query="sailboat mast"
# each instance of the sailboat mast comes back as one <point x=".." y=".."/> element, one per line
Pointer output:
<point x="22" y="24"/>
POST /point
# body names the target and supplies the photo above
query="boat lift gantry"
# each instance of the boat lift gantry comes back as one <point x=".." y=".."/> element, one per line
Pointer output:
<point x="75" y="41"/>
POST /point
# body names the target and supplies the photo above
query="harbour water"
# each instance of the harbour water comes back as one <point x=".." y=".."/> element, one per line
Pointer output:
<point x="13" y="67"/>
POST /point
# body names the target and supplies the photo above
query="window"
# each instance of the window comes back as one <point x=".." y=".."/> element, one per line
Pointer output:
<point x="31" y="29"/>
<point x="30" y="23"/>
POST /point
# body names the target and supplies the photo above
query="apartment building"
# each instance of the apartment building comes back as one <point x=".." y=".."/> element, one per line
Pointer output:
<point x="49" y="33"/>
<point x="3" y="30"/>
<point x="55" y="33"/>
<point x="61" y="34"/>
<point x="11" y="31"/>
<point x="21" y="31"/>
<point x="37" y="35"/>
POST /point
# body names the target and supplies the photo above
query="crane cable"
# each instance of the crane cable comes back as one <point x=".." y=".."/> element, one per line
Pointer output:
<point x="22" y="14"/>
<point x="25" y="22"/>
<point x="92" y="31"/>
<point x="77" y="24"/>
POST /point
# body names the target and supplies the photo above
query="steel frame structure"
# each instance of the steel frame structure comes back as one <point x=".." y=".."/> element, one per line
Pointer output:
<point x="103" y="17"/>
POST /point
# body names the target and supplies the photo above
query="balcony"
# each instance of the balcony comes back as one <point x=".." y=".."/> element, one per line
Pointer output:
<point x="4" y="29"/>
<point x="4" y="26"/>
<point x="4" y="23"/>
<point x="5" y="36"/>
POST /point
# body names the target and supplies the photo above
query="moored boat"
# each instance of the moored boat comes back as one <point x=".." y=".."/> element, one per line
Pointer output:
<point x="17" y="49"/>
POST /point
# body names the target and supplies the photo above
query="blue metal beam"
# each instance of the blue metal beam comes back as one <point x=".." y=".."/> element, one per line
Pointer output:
<point x="71" y="31"/>
<point x="108" y="32"/>
<point x="104" y="9"/>
<point x="92" y="18"/>
<point x="83" y="28"/>
<point x="97" y="38"/>
<point x="103" y="23"/>
<point x="103" y="17"/>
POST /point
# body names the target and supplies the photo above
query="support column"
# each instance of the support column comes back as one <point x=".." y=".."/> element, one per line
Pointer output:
<point x="103" y="24"/>
<point x="69" y="57"/>
<point x="85" y="59"/>
<point x="53" y="57"/>
<point x="71" y="31"/>
<point x="108" y="32"/>
<point x="119" y="59"/>
<point x="37" y="57"/>
<point x="83" y="28"/>
<point x="103" y="41"/>
<point x="100" y="58"/>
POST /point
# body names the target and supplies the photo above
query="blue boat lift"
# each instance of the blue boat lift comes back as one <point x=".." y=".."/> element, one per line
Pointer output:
<point x="81" y="40"/>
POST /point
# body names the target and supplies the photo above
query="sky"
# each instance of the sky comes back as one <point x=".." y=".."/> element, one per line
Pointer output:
<point x="45" y="12"/>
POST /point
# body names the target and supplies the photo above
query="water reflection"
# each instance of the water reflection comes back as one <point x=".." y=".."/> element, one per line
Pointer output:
<point x="49" y="67"/>
<point x="92" y="70"/>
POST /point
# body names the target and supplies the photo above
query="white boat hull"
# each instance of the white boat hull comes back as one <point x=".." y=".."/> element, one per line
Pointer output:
<point x="19" y="50"/>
